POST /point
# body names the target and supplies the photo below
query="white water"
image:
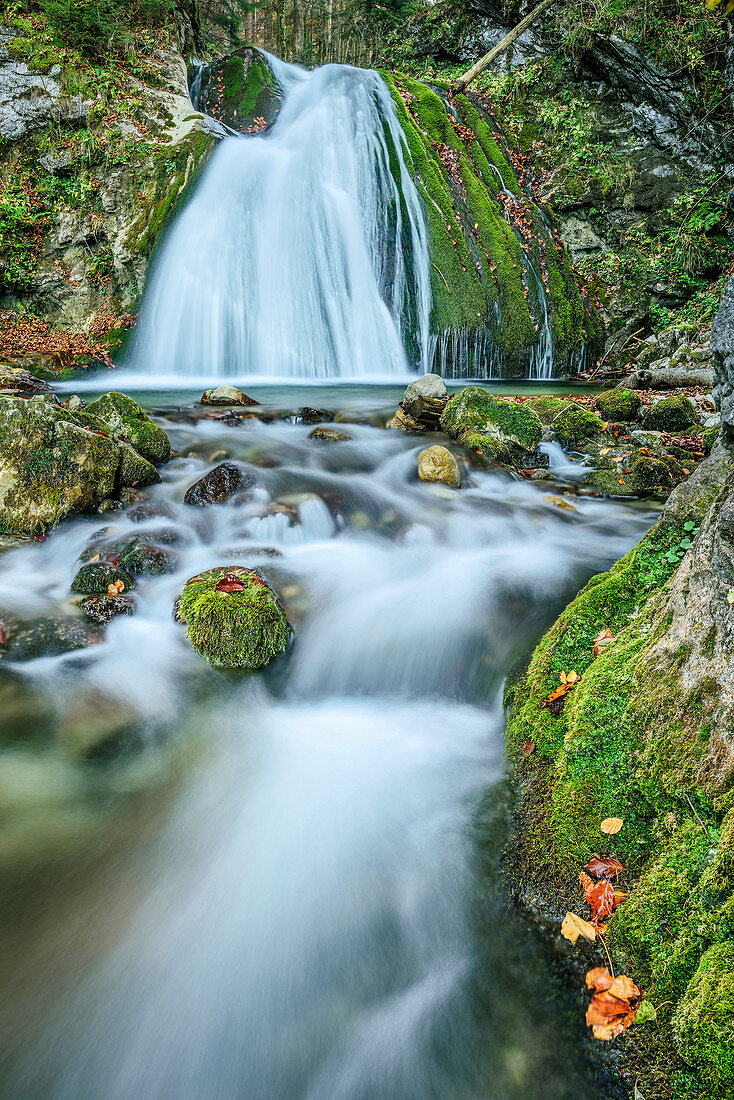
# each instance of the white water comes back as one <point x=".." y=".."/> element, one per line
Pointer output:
<point x="295" y="257"/>
<point x="298" y="921"/>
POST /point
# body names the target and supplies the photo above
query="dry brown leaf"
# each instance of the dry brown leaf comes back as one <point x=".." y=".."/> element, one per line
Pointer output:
<point x="611" y="825"/>
<point x="111" y="589"/>
<point x="574" y="926"/>
<point x="603" y="639"/>
<point x="624" y="988"/>
<point x="608" y="1031"/>
<point x="598" y="979"/>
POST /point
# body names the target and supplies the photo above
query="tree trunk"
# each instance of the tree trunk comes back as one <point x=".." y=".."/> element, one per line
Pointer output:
<point x="471" y="74"/>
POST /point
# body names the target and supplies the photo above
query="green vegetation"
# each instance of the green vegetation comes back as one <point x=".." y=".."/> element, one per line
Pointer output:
<point x="672" y="414"/>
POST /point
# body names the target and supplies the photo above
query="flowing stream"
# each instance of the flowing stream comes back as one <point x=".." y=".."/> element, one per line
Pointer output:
<point x="281" y="886"/>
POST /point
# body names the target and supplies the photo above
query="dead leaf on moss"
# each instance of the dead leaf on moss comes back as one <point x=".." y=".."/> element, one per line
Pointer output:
<point x="611" y="825"/>
<point x="602" y="640"/>
<point x="604" y="866"/>
<point x="574" y="926"/>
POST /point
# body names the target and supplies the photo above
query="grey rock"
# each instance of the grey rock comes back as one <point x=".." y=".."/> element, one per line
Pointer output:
<point x="722" y="346"/>
<point x="218" y="485"/>
<point x="425" y="399"/>
<point x="59" y="165"/>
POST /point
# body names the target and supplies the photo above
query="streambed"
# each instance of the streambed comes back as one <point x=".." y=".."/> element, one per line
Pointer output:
<point x="283" y="886"/>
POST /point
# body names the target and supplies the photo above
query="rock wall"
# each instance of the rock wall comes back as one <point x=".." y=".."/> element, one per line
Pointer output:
<point x="87" y="186"/>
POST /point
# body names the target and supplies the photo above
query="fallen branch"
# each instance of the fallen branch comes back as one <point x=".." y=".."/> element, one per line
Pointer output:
<point x="464" y="81"/>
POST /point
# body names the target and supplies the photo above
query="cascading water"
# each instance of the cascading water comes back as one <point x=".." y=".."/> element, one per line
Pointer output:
<point x="275" y="897"/>
<point x="300" y="254"/>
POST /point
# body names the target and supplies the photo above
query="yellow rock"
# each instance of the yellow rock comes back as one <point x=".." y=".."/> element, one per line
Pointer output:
<point x="405" y="423"/>
<point x="438" y="464"/>
<point x="560" y="503"/>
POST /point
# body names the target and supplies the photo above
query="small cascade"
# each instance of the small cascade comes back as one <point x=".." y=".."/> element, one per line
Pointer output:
<point x="303" y="252"/>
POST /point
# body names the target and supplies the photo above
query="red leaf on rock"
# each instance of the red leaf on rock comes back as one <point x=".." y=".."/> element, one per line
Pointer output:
<point x="230" y="583"/>
<point x="604" y="866"/>
<point x="599" y="895"/>
<point x="528" y="747"/>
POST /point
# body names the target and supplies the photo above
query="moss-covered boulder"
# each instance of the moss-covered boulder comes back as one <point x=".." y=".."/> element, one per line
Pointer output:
<point x="488" y="447"/>
<point x="240" y="90"/>
<point x="55" y="461"/>
<point x="234" y="618"/>
<point x="672" y="414"/>
<point x="618" y="405"/>
<point x="568" y="421"/>
<point x="495" y="265"/>
<point x="475" y="411"/>
<point x="704" y="1021"/>
<point x="143" y="559"/>
<point x="127" y="420"/>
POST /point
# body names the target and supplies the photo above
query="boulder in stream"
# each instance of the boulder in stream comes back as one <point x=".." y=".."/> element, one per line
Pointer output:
<point x="96" y="577"/>
<point x="330" y="435"/>
<point x="226" y="395"/>
<point x="234" y="618"/>
<point x="102" y="609"/>
<point x="438" y="464"/>
<point x="56" y="461"/>
<point x="425" y="399"/>
<point x="218" y="485"/>
<point x="672" y="414"/>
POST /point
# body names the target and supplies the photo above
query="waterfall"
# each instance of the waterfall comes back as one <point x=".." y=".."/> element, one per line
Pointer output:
<point x="303" y="252"/>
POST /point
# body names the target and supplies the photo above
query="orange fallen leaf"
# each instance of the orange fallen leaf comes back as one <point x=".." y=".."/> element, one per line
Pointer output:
<point x="608" y="1031"/>
<point x="120" y="585"/>
<point x="574" y="926"/>
<point x="611" y="825"/>
<point x="604" y="866"/>
<point x="599" y="895"/>
<point x="603" y="638"/>
<point x="528" y="747"/>
<point x="111" y="589"/>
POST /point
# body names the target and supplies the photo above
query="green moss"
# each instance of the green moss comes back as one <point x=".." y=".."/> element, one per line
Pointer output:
<point x="704" y="1021"/>
<point x="672" y="414"/>
<point x="650" y="473"/>
<point x="244" y="629"/>
<point x="474" y="410"/>
<point x="618" y="405"/>
<point x="571" y="423"/>
<point x="709" y="437"/>
<point x="488" y="446"/>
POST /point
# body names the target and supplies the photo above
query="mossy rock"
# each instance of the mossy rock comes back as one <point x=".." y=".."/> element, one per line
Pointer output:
<point x="49" y="638"/>
<point x="240" y="88"/>
<point x="648" y="473"/>
<point x="143" y="559"/>
<point x="474" y="410"/>
<point x="234" y="618"/>
<point x="134" y="469"/>
<point x="618" y="405"/>
<point x="96" y="577"/>
<point x="672" y="414"/>
<point x="570" y="422"/>
<point x="704" y="1021"/>
<point x="127" y="420"/>
<point x="488" y="447"/>
<point x="709" y="437"/>
<point x="52" y="462"/>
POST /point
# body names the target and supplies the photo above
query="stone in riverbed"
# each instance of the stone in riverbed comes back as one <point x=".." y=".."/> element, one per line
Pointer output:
<point x="143" y="559"/>
<point x="219" y="484"/>
<point x="102" y="609"/>
<point x="438" y="464"/>
<point x="233" y="618"/>
<point x="331" y="435"/>
<point x="19" y="380"/>
<point x="406" y="423"/>
<point x="226" y="395"/>
<point x="48" y="638"/>
<point x="316" y="416"/>
<point x="425" y="399"/>
<point x="95" y="579"/>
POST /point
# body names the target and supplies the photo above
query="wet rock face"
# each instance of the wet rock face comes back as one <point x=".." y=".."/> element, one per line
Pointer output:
<point x="218" y="485"/>
<point x="239" y="90"/>
<point x="234" y="618"/>
<point x="475" y="412"/>
<point x="128" y="421"/>
<point x="48" y="638"/>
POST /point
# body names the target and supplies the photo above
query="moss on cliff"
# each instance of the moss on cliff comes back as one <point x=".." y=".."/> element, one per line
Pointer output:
<point x="492" y="256"/>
